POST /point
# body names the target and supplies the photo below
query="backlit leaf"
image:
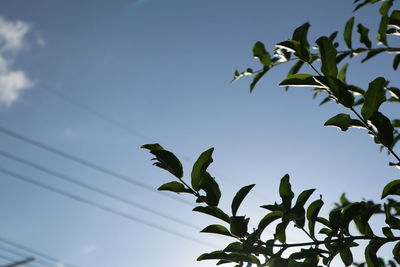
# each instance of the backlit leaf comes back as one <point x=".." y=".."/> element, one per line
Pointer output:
<point x="394" y="19"/>
<point x="396" y="61"/>
<point x="346" y="256"/>
<point x="238" y="225"/>
<point x="285" y="191"/>
<point x="312" y="214"/>
<point x="240" y="195"/>
<point x="370" y="253"/>
<point x="213" y="211"/>
<point x="261" y="53"/>
<point x="268" y="219"/>
<point x="174" y="187"/>
<point x="200" y="166"/>
<point x="384" y="127"/>
<point x="348" y="32"/>
<point x="328" y="56"/>
<point x="363" y="31"/>
<point x="216" y="229"/>
<point x="165" y="159"/>
<point x="301" y="80"/>
<point x="374" y="97"/>
<point x="342" y="73"/>
<point x="381" y="37"/>
<point x="344" y="122"/>
<point x="392" y="188"/>
<point x="300" y="34"/>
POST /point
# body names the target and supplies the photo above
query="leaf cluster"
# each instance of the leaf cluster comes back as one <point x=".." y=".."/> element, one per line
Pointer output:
<point x="348" y="224"/>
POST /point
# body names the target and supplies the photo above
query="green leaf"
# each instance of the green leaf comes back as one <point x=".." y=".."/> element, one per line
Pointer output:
<point x="174" y="187"/>
<point x="396" y="61"/>
<point x="300" y="34"/>
<point x="303" y="197"/>
<point x="374" y="97"/>
<point x="216" y="229"/>
<point x="350" y="212"/>
<point x="213" y="211"/>
<point x="261" y="53"/>
<point x="393" y="222"/>
<point x="234" y="246"/>
<point x="392" y="188"/>
<point x="384" y="127"/>
<point x="363" y="31"/>
<point x="285" y="191"/>
<point x="215" y="255"/>
<point x="396" y="251"/>
<point x="334" y="219"/>
<point x="268" y="219"/>
<point x="328" y="56"/>
<point x="344" y="122"/>
<point x="152" y="147"/>
<point x="300" y="50"/>
<point x="210" y="186"/>
<point x="200" y="166"/>
<point x="301" y="80"/>
<point x="348" y="30"/>
<point x="294" y="69"/>
<point x="312" y="214"/>
<point x="394" y="19"/>
<point x="386" y="5"/>
<point x="341" y="91"/>
<point x="238" y="225"/>
<point x="346" y="256"/>
<point x="342" y="73"/>
<point x="240" y="195"/>
<point x="387" y="232"/>
<point x="280" y="231"/>
<point x="257" y="78"/>
<point x="370" y="253"/>
<point x="165" y="159"/>
<point x="381" y="37"/>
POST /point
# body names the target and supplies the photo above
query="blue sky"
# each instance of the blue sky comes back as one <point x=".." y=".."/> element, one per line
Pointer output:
<point x="97" y="79"/>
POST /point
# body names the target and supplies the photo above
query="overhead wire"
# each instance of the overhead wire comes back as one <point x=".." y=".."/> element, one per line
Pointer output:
<point x="35" y="252"/>
<point x="104" y="208"/>
<point x="88" y="164"/>
<point x="97" y="190"/>
<point x="25" y="256"/>
<point x="97" y="114"/>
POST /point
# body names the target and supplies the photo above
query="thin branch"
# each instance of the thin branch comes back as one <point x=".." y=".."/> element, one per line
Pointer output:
<point x="321" y="242"/>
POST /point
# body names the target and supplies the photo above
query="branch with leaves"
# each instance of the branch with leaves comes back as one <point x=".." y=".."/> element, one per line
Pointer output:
<point x="348" y="224"/>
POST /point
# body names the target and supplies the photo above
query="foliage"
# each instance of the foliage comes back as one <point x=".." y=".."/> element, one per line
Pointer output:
<point x="329" y="236"/>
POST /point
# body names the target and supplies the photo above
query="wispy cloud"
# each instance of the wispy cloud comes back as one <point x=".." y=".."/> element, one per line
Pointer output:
<point x="12" y="39"/>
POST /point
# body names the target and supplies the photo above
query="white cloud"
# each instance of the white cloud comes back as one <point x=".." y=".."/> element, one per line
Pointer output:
<point x="12" y="82"/>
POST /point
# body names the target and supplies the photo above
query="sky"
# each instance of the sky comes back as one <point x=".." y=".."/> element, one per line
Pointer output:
<point x="83" y="84"/>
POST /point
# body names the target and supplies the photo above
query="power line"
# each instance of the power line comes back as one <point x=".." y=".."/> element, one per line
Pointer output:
<point x="96" y="189"/>
<point x="87" y="163"/>
<point x="97" y="114"/>
<point x="35" y="252"/>
<point x="103" y="207"/>
<point x="20" y="263"/>
<point x="19" y="254"/>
